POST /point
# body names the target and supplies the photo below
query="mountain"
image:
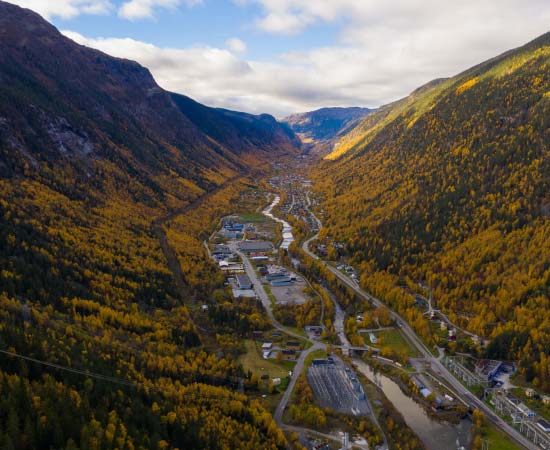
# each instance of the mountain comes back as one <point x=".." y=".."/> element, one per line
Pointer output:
<point x="77" y="105"/>
<point x="237" y="130"/>
<point x="450" y="186"/>
<point x="107" y="185"/>
<point x="324" y="124"/>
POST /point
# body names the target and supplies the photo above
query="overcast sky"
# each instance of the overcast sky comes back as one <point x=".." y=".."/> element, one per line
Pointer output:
<point x="286" y="56"/>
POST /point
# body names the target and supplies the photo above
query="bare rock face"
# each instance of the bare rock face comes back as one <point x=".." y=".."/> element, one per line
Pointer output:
<point x="70" y="142"/>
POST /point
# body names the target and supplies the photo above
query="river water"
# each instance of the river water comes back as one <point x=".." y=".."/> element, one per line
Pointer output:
<point x="435" y="435"/>
<point x="288" y="237"/>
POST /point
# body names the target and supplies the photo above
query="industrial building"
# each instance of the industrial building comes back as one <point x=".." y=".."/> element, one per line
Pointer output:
<point x="244" y="282"/>
<point x="255" y="246"/>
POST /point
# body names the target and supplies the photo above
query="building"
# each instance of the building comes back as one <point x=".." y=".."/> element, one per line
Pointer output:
<point x="293" y="345"/>
<point x="289" y="355"/>
<point x="546" y="399"/>
<point x="221" y="249"/>
<point x="255" y="246"/>
<point x="286" y="281"/>
<point x="443" y="326"/>
<point x="273" y="276"/>
<point x="488" y="369"/>
<point x="244" y="282"/>
<point x="373" y="338"/>
<point x="529" y="392"/>
<point x="258" y="334"/>
<point x="266" y="354"/>
<point x="267" y="345"/>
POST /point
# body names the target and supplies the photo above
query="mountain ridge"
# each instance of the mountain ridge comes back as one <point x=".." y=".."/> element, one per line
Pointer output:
<point x="449" y="186"/>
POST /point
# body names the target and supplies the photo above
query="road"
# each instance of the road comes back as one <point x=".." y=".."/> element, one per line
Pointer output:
<point x="435" y="362"/>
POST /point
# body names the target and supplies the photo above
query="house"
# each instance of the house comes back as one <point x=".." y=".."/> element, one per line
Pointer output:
<point x="244" y="282"/>
<point x="289" y="355"/>
<point x="452" y="334"/>
<point x="255" y="246"/>
<point x="258" y="334"/>
<point x="443" y="326"/>
<point x="267" y="346"/>
<point x="529" y="392"/>
<point x="546" y="399"/>
<point x="373" y="338"/>
<point x="293" y="345"/>
<point x="266" y="354"/>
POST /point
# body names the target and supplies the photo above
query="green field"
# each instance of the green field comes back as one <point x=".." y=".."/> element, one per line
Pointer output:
<point x="252" y="217"/>
<point x="252" y="360"/>
<point x="392" y="339"/>
<point x="496" y="439"/>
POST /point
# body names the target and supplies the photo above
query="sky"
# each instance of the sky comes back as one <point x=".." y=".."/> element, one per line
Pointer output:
<point x="288" y="56"/>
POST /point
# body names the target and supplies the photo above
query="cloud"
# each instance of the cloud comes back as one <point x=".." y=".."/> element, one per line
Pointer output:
<point x="66" y="9"/>
<point x="144" y="9"/>
<point x="383" y="51"/>
<point x="236" y="45"/>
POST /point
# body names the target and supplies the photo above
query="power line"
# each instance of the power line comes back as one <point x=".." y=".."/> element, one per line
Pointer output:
<point x="107" y="378"/>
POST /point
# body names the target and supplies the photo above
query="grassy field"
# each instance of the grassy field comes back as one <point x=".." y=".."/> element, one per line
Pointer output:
<point x="253" y="360"/>
<point x="496" y="439"/>
<point x="392" y="339"/>
<point x="252" y="217"/>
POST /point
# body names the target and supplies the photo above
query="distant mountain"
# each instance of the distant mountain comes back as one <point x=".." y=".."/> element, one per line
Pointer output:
<point x="451" y="186"/>
<point x="324" y="124"/>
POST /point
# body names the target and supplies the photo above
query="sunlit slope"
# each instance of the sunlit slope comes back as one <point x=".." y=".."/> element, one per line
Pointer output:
<point x="451" y="185"/>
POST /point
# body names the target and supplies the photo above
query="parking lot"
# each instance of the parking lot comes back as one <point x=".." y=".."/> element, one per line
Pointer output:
<point x="333" y="388"/>
<point x="291" y="294"/>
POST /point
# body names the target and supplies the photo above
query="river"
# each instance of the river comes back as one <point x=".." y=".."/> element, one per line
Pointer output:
<point x="288" y="237"/>
<point x="435" y="435"/>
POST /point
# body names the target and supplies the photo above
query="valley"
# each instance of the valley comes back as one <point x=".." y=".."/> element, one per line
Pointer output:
<point x="181" y="276"/>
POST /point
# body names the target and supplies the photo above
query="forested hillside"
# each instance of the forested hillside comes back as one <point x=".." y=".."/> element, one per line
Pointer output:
<point x="450" y="186"/>
<point x="97" y="167"/>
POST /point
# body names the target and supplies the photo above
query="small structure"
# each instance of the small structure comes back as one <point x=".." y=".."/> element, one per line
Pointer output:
<point x="452" y="334"/>
<point x="320" y="362"/>
<point x="546" y="399"/>
<point x="266" y="354"/>
<point x="258" y="334"/>
<point x="529" y="392"/>
<point x="488" y="369"/>
<point x="267" y="346"/>
<point x="525" y="411"/>
<point x="284" y="281"/>
<point x="244" y="282"/>
<point x="293" y="345"/>
<point x="289" y="355"/>
<point x="373" y="338"/>
<point x="443" y="326"/>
